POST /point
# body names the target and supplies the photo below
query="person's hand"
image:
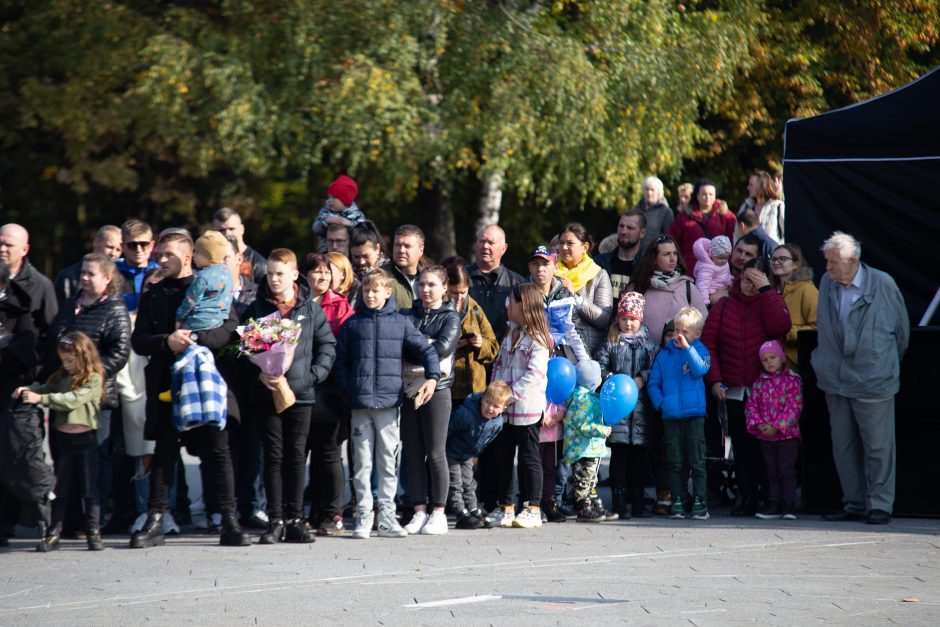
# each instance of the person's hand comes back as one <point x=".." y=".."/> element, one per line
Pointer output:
<point x="461" y="343"/>
<point x="25" y="395"/>
<point x="640" y="383"/>
<point x="338" y="220"/>
<point x="425" y="392"/>
<point x="717" y="295"/>
<point x="475" y="340"/>
<point x="681" y="342"/>
<point x="757" y="278"/>
<point x="270" y="381"/>
<point x="18" y="392"/>
<point x="719" y="392"/>
<point x="566" y="282"/>
<point x="179" y="341"/>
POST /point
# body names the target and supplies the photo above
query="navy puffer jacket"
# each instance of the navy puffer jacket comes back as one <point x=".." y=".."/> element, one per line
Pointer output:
<point x="442" y="327"/>
<point x="315" y="352"/>
<point x="369" y="353"/>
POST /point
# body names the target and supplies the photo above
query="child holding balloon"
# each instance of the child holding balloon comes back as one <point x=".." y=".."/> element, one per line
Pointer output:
<point x="629" y="351"/>
<point x="677" y="388"/>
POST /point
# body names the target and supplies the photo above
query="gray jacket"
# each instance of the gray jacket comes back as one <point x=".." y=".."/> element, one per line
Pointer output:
<point x="865" y="360"/>
<point x="633" y="357"/>
<point x="593" y="320"/>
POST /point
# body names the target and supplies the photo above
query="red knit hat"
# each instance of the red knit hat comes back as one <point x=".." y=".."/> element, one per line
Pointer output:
<point x="343" y="189"/>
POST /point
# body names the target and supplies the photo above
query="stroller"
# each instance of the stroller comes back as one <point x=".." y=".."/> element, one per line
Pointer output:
<point x="26" y="480"/>
<point x="719" y="464"/>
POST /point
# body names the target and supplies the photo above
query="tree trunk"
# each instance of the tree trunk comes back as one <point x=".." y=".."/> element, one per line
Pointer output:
<point x="437" y="222"/>
<point x="491" y="199"/>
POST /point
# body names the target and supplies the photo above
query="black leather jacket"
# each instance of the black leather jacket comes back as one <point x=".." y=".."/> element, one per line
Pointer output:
<point x="442" y="327"/>
<point x="107" y="324"/>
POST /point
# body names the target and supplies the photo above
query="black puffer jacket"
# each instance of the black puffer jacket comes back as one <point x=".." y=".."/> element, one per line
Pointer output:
<point x="108" y="325"/>
<point x="17" y="342"/>
<point x="442" y="327"/>
<point x="315" y="352"/>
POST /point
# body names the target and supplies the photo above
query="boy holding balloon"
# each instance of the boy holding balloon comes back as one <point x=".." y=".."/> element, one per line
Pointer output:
<point x="677" y="388"/>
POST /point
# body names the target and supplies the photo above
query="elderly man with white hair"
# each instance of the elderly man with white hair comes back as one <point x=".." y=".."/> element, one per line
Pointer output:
<point x="43" y="305"/>
<point x="863" y="332"/>
<point x="654" y="206"/>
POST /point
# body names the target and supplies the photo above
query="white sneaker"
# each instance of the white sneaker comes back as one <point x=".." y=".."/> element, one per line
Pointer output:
<point x="170" y="528"/>
<point x="363" y="528"/>
<point x="138" y="524"/>
<point x="529" y="518"/>
<point x="388" y="525"/>
<point x="417" y="523"/>
<point x="502" y="516"/>
<point x="436" y="525"/>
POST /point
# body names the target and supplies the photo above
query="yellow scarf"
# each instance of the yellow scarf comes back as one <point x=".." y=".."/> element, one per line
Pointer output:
<point x="580" y="274"/>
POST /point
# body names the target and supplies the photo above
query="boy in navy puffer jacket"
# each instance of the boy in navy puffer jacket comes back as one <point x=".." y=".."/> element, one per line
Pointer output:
<point x="369" y="354"/>
<point x="677" y="388"/>
<point x="473" y="426"/>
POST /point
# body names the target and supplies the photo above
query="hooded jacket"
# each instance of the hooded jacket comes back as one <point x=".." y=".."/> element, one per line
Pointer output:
<point x="709" y="277"/>
<point x="369" y="353"/>
<point x="734" y="331"/>
<point x="675" y="386"/>
<point x="441" y="327"/>
<point x="468" y="432"/>
<point x="691" y="225"/>
<point x="632" y="356"/>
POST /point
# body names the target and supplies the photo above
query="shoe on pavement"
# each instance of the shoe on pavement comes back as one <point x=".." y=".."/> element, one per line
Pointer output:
<point x="677" y="510"/>
<point x="770" y="511"/>
<point x="298" y="531"/>
<point x="389" y="526"/>
<point x="331" y="526"/>
<point x="878" y="517"/>
<point x="699" y="509"/>
<point x="436" y="524"/>
<point x="418" y="521"/>
<point x="151" y="532"/>
<point x="553" y="513"/>
<point x="364" y="522"/>
<point x="274" y="533"/>
<point x="502" y="516"/>
<point x="529" y="518"/>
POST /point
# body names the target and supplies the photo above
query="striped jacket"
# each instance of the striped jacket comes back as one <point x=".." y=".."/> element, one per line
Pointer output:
<point x="200" y="395"/>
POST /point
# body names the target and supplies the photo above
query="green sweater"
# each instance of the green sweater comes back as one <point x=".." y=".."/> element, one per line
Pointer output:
<point x="72" y="407"/>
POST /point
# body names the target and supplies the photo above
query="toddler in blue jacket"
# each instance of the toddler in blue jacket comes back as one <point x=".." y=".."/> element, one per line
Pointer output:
<point x="473" y="426"/>
<point x="677" y="388"/>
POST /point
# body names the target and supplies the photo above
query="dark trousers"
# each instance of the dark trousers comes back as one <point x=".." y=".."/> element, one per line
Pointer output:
<point x="123" y="507"/>
<point x="245" y="445"/>
<point x="550" y="454"/>
<point x="780" y="458"/>
<point x="76" y="470"/>
<point x="629" y="466"/>
<point x="424" y="440"/>
<point x="463" y="487"/>
<point x="685" y="443"/>
<point x="749" y="470"/>
<point x="212" y="448"/>
<point x="325" y="443"/>
<point x="284" y="437"/>
<point x="526" y="440"/>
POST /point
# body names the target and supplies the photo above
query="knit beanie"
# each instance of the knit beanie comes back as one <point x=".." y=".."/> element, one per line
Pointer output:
<point x="721" y="245"/>
<point x="631" y="304"/>
<point x="589" y="374"/>
<point x="343" y="189"/>
<point x="213" y="246"/>
<point x="774" y="347"/>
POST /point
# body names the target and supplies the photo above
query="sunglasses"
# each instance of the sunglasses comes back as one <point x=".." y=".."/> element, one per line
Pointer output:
<point x="138" y="244"/>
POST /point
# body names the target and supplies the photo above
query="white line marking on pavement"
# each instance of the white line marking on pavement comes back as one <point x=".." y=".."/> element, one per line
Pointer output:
<point x="460" y="601"/>
<point x="26" y="591"/>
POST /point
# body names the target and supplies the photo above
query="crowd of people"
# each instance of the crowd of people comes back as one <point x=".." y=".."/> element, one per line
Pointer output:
<point x="432" y="378"/>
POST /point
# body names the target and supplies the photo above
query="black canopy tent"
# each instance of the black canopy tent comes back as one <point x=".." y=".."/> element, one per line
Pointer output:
<point x="872" y="169"/>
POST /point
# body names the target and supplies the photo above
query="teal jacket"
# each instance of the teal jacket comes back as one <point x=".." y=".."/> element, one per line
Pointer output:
<point x="585" y="431"/>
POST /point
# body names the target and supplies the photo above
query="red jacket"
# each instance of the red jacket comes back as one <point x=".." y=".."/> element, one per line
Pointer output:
<point x="688" y="227"/>
<point x="734" y="330"/>
<point x="336" y="308"/>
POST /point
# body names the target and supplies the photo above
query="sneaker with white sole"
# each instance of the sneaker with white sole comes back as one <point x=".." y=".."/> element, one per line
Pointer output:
<point x="436" y="524"/>
<point x="363" y="528"/>
<point x="502" y="516"/>
<point x="529" y="518"/>
<point x="388" y="525"/>
<point x="417" y="523"/>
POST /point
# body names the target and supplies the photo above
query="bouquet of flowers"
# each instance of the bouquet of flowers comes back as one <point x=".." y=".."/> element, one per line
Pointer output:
<point x="270" y="343"/>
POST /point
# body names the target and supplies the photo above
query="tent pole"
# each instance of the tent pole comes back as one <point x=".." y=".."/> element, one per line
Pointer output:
<point x="931" y="309"/>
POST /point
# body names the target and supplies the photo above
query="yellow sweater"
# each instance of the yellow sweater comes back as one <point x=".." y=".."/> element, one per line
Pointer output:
<point x="72" y="407"/>
<point x="801" y="298"/>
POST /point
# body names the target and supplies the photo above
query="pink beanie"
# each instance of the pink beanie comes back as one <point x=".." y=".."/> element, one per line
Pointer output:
<point x="774" y="347"/>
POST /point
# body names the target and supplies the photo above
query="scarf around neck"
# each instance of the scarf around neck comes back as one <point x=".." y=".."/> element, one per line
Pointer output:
<point x="581" y="274"/>
<point x="663" y="280"/>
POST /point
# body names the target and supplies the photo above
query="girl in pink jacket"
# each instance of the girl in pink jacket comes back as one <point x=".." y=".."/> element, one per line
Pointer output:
<point x="712" y="271"/>
<point x="773" y="412"/>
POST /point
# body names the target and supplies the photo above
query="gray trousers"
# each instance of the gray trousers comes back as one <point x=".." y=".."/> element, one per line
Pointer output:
<point x="463" y="487"/>
<point x="376" y="441"/>
<point x="863" y="446"/>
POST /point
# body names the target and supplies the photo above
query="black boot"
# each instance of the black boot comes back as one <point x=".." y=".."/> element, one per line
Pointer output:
<point x="274" y="534"/>
<point x="746" y="506"/>
<point x="92" y="517"/>
<point x="151" y="534"/>
<point x="232" y="534"/>
<point x="619" y="502"/>
<point x="638" y="505"/>
<point x="50" y="538"/>
<point x="299" y="531"/>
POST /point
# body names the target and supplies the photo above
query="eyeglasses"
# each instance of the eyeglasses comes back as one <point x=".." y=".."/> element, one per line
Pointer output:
<point x="138" y="244"/>
<point x="780" y="259"/>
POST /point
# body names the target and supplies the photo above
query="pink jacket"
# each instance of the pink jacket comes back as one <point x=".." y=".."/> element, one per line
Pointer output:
<point x="777" y="400"/>
<point x="709" y="278"/>
<point x="524" y="366"/>
<point x="662" y="305"/>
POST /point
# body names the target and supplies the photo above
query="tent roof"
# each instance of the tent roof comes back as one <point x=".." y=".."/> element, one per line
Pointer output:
<point x="899" y="125"/>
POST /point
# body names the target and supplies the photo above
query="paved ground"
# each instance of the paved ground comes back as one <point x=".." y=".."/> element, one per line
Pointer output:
<point x="653" y="572"/>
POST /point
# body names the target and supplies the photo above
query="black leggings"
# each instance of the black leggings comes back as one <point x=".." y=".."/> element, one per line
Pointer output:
<point x="76" y="465"/>
<point x="325" y="443"/>
<point x="526" y="439"/>
<point x="749" y="469"/>
<point x="284" y="437"/>
<point x="424" y="436"/>
<point x="629" y="466"/>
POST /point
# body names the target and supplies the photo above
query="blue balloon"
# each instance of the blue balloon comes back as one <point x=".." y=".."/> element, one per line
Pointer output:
<point x="618" y="398"/>
<point x="561" y="380"/>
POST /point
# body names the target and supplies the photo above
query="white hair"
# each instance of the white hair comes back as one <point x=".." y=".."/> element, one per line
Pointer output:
<point x="654" y="182"/>
<point x="847" y="245"/>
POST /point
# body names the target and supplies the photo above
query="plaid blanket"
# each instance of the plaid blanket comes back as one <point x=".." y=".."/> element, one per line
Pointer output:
<point x="200" y="394"/>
